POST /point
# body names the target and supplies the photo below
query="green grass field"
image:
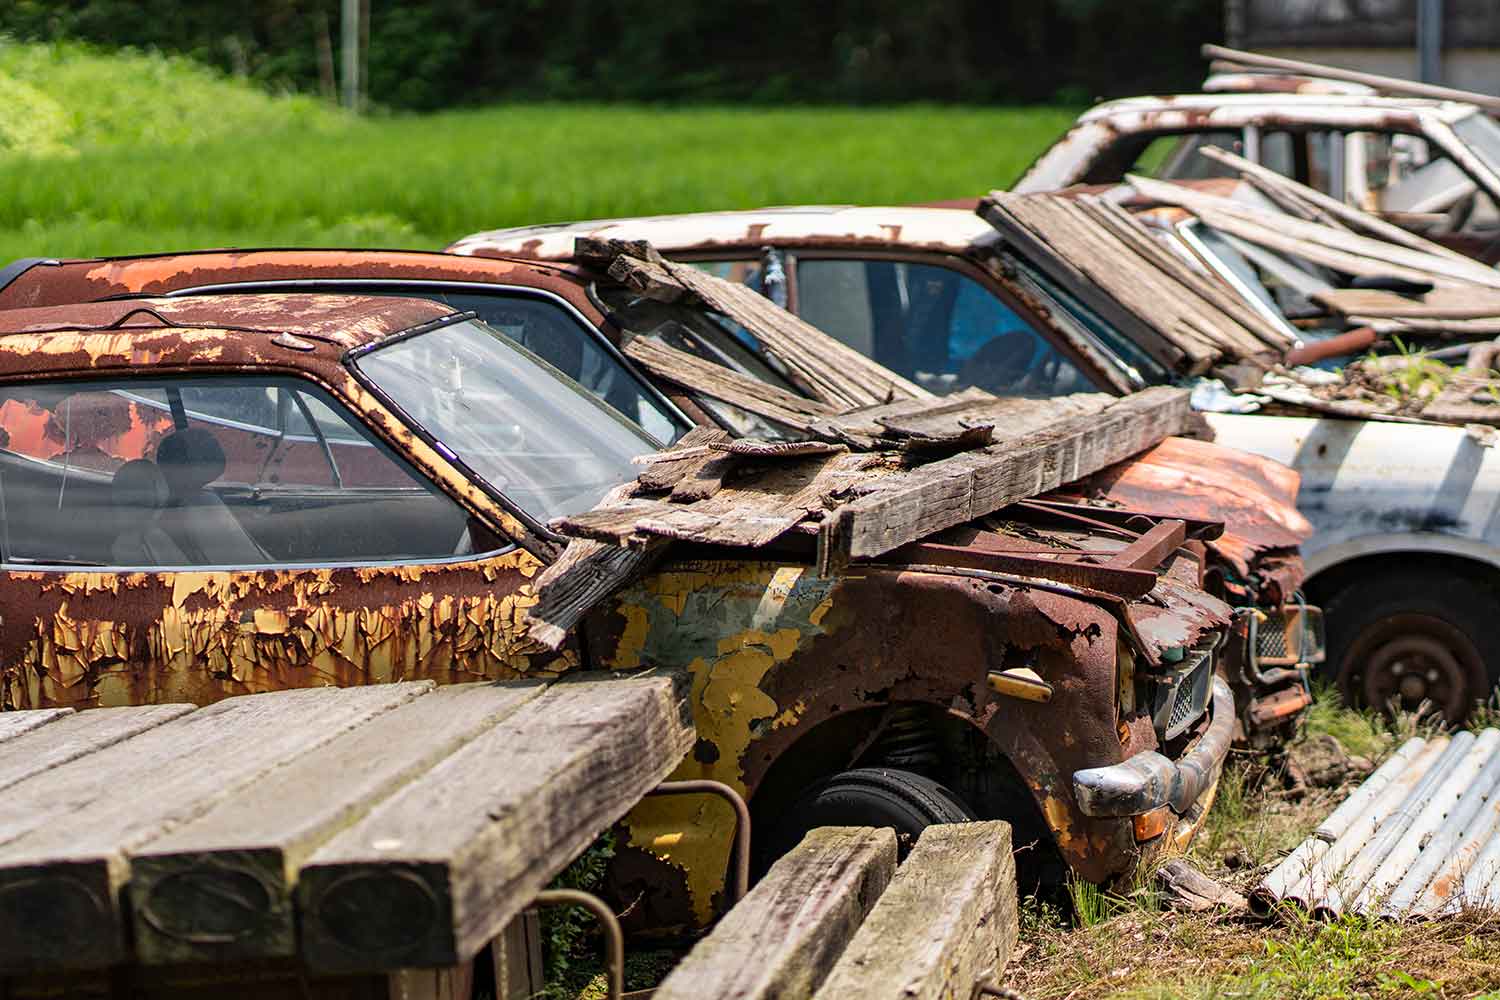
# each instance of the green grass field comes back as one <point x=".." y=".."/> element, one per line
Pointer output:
<point x="118" y="154"/>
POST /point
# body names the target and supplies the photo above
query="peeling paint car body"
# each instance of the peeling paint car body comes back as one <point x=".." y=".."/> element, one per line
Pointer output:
<point x="781" y="658"/>
<point x="1258" y="561"/>
<point x="1433" y="166"/>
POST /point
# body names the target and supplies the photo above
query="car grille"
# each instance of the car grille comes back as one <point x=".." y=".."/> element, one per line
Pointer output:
<point x="1181" y="697"/>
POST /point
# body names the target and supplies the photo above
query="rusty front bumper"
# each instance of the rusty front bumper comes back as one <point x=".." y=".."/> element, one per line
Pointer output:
<point x="1149" y="780"/>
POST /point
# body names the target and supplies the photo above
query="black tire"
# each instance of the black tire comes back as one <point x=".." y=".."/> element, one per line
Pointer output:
<point x="1424" y="634"/>
<point x="868" y="796"/>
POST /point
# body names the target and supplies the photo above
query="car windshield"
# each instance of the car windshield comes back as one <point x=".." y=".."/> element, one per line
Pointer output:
<point x="1480" y="133"/>
<point x="527" y="429"/>
<point x="705" y="334"/>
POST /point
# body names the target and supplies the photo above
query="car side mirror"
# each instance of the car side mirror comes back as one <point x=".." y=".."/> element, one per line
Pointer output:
<point x="1390" y="283"/>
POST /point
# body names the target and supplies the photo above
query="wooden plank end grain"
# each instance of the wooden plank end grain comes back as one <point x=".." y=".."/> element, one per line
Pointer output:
<point x="437" y="870"/>
<point x="782" y="939"/>
<point x="946" y="922"/>
<point x="220" y="888"/>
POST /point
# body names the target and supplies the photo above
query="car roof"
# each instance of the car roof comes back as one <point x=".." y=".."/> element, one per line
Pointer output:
<point x="1281" y="104"/>
<point x="41" y="281"/>
<point x="948" y="230"/>
<point x="238" y="331"/>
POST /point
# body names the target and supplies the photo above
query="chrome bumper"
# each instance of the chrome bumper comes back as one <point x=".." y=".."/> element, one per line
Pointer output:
<point x="1148" y="780"/>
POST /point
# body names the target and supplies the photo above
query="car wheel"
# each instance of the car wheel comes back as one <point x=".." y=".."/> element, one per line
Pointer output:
<point x="1412" y="638"/>
<point x="868" y="796"/>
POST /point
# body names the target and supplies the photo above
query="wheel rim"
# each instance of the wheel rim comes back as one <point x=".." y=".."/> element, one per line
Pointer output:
<point x="1411" y="658"/>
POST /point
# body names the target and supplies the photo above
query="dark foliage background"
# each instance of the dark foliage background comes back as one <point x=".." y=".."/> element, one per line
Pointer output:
<point x="441" y="53"/>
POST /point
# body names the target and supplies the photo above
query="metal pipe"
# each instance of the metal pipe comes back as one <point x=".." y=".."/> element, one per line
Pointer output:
<point x="1389" y="84"/>
<point x="1430" y="40"/>
<point x="702" y="786"/>
<point x="1402" y="848"/>
<point x="1296" y="864"/>
<point x="1442" y="861"/>
<point x="1366" y="857"/>
<point x="1313" y="884"/>
<point x="614" y="938"/>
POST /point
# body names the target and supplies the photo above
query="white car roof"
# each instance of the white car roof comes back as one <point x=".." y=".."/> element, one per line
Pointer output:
<point x="949" y="230"/>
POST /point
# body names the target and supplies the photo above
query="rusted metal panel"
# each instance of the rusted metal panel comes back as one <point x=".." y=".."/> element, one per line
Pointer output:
<point x="60" y="282"/>
<point x="69" y="640"/>
<point x="1417" y="839"/>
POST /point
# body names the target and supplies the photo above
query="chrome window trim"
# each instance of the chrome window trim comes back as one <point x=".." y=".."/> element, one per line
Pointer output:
<point x="271" y="567"/>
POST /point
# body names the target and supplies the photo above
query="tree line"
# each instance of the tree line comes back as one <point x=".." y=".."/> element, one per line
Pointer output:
<point x="429" y="54"/>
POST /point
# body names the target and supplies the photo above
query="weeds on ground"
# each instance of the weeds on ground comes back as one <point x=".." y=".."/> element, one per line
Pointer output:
<point x="1125" y="945"/>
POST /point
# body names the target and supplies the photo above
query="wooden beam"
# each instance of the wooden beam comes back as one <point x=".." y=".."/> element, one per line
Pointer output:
<point x="440" y="868"/>
<point x="946" y="922"/>
<point x="13" y="724"/>
<point x="899" y="510"/>
<point x="783" y="938"/>
<point x="76" y="735"/>
<point x="1214" y="210"/>
<point x="66" y="835"/>
<point x="221" y="886"/>
<point x="1348" y="215"/>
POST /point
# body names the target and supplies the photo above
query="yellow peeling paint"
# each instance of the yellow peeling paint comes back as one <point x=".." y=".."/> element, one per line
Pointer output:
<point x="790" y="716"/>
<point x="1058" y="818"/>
<point x="218" y="637"/>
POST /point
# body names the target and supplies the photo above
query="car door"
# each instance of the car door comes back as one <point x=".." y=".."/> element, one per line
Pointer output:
<point x="176" y="538"/>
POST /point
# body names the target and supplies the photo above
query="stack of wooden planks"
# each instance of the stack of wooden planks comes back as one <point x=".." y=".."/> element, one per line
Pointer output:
<point x="1185" y="320"/>
<point x="836" y="918"/>
<point x="881" y="478"/>
<point x="355" y="830"/>
<point x="1462" y="296"/>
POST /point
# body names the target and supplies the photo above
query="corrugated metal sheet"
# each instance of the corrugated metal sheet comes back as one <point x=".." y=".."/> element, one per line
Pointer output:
<point x="1420" y="838"/>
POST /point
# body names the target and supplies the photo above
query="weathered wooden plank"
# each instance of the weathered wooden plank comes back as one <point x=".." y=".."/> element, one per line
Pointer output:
<point x="13" y="724"/>
<point x="718" y="382"/>
<point x="220" y="887"/>
<point x="664" y="471"/>
<point x="1218" y="295"/>
<point x="517" y="957"/>
<point x="902" y="509"/>
<point x="782" y="939"/>
<point x="946" y="922"/>
<point x="826" y="369"/>
<point x="1030" y="244"/>
<point x="1440" y="303"/>
<point x="587" y="572"/>
<point x="66" y="834"/>
<point x="1390" y="254"/>
<point x="77" y="735"/>
<point x="1348" y="215"/>
<point x="441" y="867"/>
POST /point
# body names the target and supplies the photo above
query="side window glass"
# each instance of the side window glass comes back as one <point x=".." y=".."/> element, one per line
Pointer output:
<point x="743" y="272"/>
<point x="934" y="326"/>
<point x="231" y="472"/>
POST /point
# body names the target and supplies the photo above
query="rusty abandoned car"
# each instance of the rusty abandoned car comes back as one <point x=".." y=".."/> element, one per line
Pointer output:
<point x="935" y="296"/>
<point x="206" y="496"/>
<point x="1254" y="563"/>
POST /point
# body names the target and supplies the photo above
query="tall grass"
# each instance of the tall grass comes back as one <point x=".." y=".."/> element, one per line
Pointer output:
<point x="242" y="168"/>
